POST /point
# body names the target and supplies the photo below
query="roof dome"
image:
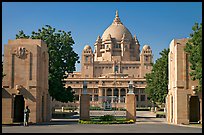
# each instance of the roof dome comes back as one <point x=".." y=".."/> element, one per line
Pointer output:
<point x="87" y="47"/>
<point x="146" y="47"/>
<point x="116" y="30"/>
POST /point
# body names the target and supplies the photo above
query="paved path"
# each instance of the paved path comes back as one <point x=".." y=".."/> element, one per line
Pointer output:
<point x="145" y="123"/>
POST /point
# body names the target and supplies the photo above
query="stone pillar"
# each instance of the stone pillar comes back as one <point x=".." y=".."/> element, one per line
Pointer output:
<point x="119" y="95"/>
<point x="130" y="107"/>
<point x="100" y="94"/>
<point x="168" y="108"/>
<point x="105" y="92"/>
<point x="84" y="107"/>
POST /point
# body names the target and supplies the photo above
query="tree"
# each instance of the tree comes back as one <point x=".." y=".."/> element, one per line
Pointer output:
<point x="157" y="80"/>
<point x="194" y="49"/>
<point x="62" y="59"/>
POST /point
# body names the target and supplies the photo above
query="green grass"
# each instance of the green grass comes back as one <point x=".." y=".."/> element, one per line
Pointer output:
<point x="196" y="125"/>
<point x="160" y="112"/>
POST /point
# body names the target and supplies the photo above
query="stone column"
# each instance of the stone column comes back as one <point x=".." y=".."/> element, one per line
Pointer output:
<point x="119" y="95"/>
<point x="84" y="107"/>
<point x="168" y="108"/>
<point x="105" y="92"/>
<point x="100" y="94"/>
<point x="112" y="95"/>
<point x="130" y="107"/>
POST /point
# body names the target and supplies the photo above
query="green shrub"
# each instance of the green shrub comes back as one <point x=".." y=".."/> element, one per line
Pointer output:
<point x="107" y="118"/>
<point x="95" y="108"/>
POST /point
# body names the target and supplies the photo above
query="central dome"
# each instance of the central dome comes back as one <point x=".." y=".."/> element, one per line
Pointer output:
<point x="116" y="30"/>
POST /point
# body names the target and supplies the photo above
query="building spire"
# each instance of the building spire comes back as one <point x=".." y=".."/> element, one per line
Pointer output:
<point x="116" y="13"/>
<point x="117" y="19"/>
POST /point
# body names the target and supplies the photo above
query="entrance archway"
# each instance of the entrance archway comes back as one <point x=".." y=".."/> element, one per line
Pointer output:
<point x="194" y="109"/>
<point x="19" y="104"/>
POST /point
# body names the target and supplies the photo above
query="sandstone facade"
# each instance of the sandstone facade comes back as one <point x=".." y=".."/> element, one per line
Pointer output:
<point x="183" y="104"/>
<point x="26" y="81"/>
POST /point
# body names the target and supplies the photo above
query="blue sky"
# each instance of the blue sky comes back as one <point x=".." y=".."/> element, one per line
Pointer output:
<point x="154" y="23"/>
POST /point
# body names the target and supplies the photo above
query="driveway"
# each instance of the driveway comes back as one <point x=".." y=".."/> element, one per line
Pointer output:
<point x="146" y="122"/>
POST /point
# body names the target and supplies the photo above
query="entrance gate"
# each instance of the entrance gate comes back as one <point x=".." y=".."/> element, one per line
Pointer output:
<point x="108" y="105"/>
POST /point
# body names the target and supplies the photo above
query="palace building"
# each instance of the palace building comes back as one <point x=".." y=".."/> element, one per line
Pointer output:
<point x="114" y="62"/>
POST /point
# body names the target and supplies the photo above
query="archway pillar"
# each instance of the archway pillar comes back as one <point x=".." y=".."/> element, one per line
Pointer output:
<point x="130" y="107"/>
<point x="84" y="107"/>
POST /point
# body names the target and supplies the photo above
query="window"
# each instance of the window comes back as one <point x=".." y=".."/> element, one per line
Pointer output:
<point x="142" y="91"/>
<point x="96" y="98"/>
<point x="95" y="90"/>
<point x="146" y="58"/>
<point x="142" y="97"/>
<point x="136" y="91"/>
<point x="90" y="97"/>
<point x="102" y="46"/>
<point x="136" y="96"/>
<point x="86" y="58"/>
<point x="77" y="97"/>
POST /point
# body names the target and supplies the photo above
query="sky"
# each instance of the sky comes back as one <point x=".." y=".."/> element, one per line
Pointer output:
<point x="154" y="23"/>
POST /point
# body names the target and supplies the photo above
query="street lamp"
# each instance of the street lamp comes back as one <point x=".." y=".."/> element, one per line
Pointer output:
<point x="84" y="87"/>
<point x="130" y="87"/>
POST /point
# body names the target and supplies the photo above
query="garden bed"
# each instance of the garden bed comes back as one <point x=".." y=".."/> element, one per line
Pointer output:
<point x="106" y="119"/>
<point x="160" y="114"/>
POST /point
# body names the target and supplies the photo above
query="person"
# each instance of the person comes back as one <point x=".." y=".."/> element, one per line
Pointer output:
<point x="26" y="116"/>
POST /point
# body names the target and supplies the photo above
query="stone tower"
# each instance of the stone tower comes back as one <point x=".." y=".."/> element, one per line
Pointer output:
<point x="183" y="103"/>
<point x="26" y="81"/>
<point x="87" y="62"/>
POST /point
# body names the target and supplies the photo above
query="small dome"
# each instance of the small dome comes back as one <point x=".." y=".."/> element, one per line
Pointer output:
<point x="146" y="47"/>
<point x="87" y="47"/>
<point x="116" y="30"/>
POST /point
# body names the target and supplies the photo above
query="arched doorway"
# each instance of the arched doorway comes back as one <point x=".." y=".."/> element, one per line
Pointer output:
<point x="194" y="109"/>
<point x="19" y="104"/>
<point x="109" y="92"/>
<point x="122" y="95"/>
<point x="115" y="92"/>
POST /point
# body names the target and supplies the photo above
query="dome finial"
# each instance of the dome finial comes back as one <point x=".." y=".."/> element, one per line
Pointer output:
<point x="116" y="13"/>
<point x="117" y="19"/>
